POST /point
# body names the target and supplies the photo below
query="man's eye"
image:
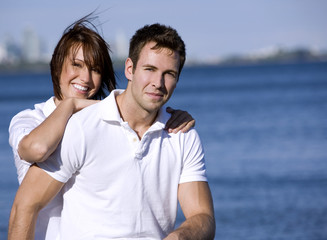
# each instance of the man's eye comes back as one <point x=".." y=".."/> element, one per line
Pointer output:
<point x="172" y="74"/>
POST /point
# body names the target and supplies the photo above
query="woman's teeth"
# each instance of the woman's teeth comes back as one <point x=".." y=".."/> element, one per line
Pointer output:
<point x="79" y="87"/>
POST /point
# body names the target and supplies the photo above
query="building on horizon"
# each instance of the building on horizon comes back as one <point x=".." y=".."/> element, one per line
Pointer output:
<point x="31" y="47"/>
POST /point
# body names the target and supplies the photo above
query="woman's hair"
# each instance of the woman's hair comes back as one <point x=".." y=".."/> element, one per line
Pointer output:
<point x="163" y="36"/>
<point x="83" y="33"/>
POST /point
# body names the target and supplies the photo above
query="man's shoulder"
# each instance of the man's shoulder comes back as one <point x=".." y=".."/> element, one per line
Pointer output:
<point x="182" y="139"/>
<point x="90" y="113"/>
<point x="96" y="112"/>
<point x="91" y="116"/>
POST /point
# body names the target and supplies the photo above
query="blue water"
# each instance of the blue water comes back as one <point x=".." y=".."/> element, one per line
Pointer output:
<point x="264" y="129"/>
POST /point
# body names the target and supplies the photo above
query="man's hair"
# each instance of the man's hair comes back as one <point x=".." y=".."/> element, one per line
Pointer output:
<point x="163" y="36"/>
<point x="83" y="33"/>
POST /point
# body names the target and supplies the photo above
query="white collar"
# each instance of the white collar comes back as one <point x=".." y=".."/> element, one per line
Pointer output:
<point x="109" y="112"/>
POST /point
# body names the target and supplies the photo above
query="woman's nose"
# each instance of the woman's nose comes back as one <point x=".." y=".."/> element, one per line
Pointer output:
<point x="85" y="75"/>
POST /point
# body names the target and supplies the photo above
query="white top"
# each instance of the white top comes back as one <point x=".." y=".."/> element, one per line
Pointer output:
<point x="22" y="124"/>
<point x="120" y="187"/>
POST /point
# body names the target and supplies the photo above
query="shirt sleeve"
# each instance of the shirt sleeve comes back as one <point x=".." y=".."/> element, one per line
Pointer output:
<point x="21" y="125"/>
<point x="193" y="159"/>
<point x="70" y="154"/>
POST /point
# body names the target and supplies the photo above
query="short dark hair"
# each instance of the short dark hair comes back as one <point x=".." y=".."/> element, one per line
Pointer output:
<point x="163" y="36"/>
<point x="83" y="33"/>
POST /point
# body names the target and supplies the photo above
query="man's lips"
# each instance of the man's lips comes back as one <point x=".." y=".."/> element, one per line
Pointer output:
<point x="156" y="96"/>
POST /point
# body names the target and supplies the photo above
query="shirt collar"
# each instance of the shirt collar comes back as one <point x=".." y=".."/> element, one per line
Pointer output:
<point x="109" y="112"/>
<point x="160" y="121"/>
<point x="108" y="107"/>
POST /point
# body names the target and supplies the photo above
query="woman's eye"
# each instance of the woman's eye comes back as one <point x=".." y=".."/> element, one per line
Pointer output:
<point x="96" y="70"/>
<point x="75" y="64"/>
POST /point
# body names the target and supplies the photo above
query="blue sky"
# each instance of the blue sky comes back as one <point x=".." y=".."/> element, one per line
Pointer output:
<point x="211" y="29"/>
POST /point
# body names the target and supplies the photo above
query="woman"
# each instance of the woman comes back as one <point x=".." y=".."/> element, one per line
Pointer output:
<point x="82" y="73"/>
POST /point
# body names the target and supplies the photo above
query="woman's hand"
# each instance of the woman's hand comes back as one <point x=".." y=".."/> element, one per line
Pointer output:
<point x="80" y="103"/>
<point x="179" y="121"/>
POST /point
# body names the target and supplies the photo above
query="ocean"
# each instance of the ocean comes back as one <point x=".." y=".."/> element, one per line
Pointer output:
<point x="264" y="130"/>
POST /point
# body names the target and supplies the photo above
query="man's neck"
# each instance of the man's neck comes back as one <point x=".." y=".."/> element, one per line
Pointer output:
<point x="138" y="119"/>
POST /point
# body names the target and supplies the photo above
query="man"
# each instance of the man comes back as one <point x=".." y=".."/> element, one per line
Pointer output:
<point x="123" y="172"/>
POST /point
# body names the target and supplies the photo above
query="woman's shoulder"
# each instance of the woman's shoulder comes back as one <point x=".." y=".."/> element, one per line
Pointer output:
<point x="30" y="114"/>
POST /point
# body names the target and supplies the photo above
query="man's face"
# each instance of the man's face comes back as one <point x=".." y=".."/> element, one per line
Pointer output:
<point x="154" y="78"/>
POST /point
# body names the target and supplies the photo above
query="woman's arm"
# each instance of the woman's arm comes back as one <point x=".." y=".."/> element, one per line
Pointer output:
<point x="179" y="121"/>
<point x="38" y="145"/>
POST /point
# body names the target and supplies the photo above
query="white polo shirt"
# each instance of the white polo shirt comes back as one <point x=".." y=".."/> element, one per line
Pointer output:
<point x="47" y="226"/>
<point x="120" y="187"/>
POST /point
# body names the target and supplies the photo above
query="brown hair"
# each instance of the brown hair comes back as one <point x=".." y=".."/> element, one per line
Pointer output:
<point x="163" y="36"/>
<point x="96" y="55"/>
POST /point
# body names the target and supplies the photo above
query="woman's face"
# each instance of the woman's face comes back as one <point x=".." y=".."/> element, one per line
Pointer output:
<point x="76" y="79"/>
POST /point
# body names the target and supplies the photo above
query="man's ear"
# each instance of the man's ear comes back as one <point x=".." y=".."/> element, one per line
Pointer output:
<point x="129" y="69"/>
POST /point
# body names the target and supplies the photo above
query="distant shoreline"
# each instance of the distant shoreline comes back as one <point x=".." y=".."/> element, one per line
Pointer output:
<point x="294" y="57"/>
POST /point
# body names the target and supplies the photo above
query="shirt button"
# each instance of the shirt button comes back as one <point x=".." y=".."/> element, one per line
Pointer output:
<point x="134" y="139"/>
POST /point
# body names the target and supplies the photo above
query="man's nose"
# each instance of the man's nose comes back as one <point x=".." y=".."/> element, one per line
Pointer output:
<point x="158" y="80"/>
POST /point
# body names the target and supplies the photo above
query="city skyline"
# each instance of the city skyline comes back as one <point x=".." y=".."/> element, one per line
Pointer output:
<point x="31" y="48"/>
<point x="211" y="29"/>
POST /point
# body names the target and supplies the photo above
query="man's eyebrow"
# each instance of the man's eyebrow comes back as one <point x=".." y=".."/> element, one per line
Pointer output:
<point x="154" y="67"/>
<point x="149" y="65"/>
<point x="172" y="71"/>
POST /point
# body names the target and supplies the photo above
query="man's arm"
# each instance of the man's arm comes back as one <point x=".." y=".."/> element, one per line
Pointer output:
<point x="196" y="203"/>
<point x="36" y="191"/>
